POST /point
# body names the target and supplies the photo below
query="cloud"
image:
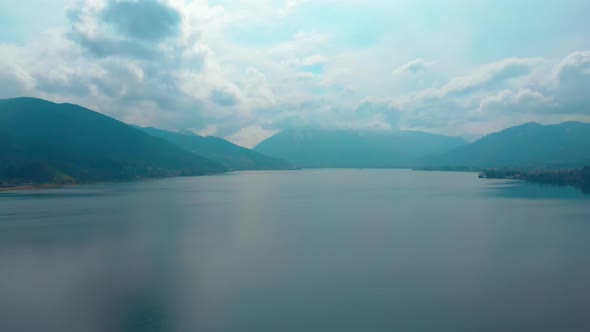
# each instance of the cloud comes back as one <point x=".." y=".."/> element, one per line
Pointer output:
<point x="135" y="29"/>
<point x="289" y="6"/>
<point x="491" y="75"/>
<point x="576" y="64"/>
<point x="240" y="69"/>
<point x="414" y="67"/>
<point x="15" y="82"/>
<point x="379" y="110"/>
<point x="506" y="91"/>
<point x="573" y="80"/>
<point x="250" y="136"/>
<point x="137" y="73"/>
<point x="102" y="47"/>
<point x="258" y="88"/>
<point x="523" y="100"/>
<point x="224" y="97"/>
<point x="142" y="19"/>
<point x="459" y="99"/>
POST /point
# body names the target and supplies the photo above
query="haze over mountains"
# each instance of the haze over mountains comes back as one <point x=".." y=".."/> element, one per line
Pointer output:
<point x="530" y="145"/>
<point x="44" y="142"/>
<point x="231" y="156"/>
<point x="347" y="148"/>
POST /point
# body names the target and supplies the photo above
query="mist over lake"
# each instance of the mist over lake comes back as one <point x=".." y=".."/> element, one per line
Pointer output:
<point x="312" y="250"/>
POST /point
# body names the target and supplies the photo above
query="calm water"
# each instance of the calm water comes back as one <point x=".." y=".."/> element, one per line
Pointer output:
<point x="313" y="250"/>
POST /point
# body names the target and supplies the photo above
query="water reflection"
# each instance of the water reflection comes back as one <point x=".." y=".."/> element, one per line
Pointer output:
<point x="520" y="189"/>
<point x="336" y="250"/>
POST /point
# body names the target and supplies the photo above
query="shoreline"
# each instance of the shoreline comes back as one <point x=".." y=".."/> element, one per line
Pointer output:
<point x="55" y="186"/>
<point x="34" y="187"/>
<point x="577" y="178"/>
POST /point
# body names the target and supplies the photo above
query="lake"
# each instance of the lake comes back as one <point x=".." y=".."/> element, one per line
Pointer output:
<point x="311" y="250"/>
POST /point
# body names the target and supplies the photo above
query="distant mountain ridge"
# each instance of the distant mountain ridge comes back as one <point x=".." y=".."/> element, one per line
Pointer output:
<point x="530" y="145"/>
<point x="231" y="156"/>
<point x="42" y="142"/>
<point x="355" y="149"/>
<point x="45" y="142"/>
<point x="182" y="131"/>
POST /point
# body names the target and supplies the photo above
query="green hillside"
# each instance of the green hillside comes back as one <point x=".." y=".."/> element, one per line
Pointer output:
<point x="44" y="142"/>
<point x="531" y="145"/>
<point x="232" y="156"/>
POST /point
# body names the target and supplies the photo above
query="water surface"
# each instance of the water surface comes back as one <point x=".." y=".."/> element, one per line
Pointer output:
<point x="311" y="250"/>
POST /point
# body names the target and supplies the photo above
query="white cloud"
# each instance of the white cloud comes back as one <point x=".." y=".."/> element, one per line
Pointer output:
<point x="573" y="79"/>
<point x="225" y="96"/>
<point x="289" y="6"/>
<point x="250" y="136"/>
<point x="414" y="67"/>
<point x="379" y="110"/>
<point x="311" y="60"/>
<point x="238" y="69"/>
<point x="491" y="75"/>
<point x="504" y="92"/>
<point x="15" y="82"/>
<point x="523" y="100"/>
<point x="258" y="89"/>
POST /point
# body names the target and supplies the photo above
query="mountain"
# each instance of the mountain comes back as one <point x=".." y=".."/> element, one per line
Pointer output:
<point x="531" y="145"/>
<point x="182" y="131"/>
<point x="355" y="149"/>
<point x="232" y="156"/>
<point x="41" y="142"/>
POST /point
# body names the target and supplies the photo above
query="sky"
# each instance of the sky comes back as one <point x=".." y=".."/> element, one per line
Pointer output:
<point x="244" y="70"/>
